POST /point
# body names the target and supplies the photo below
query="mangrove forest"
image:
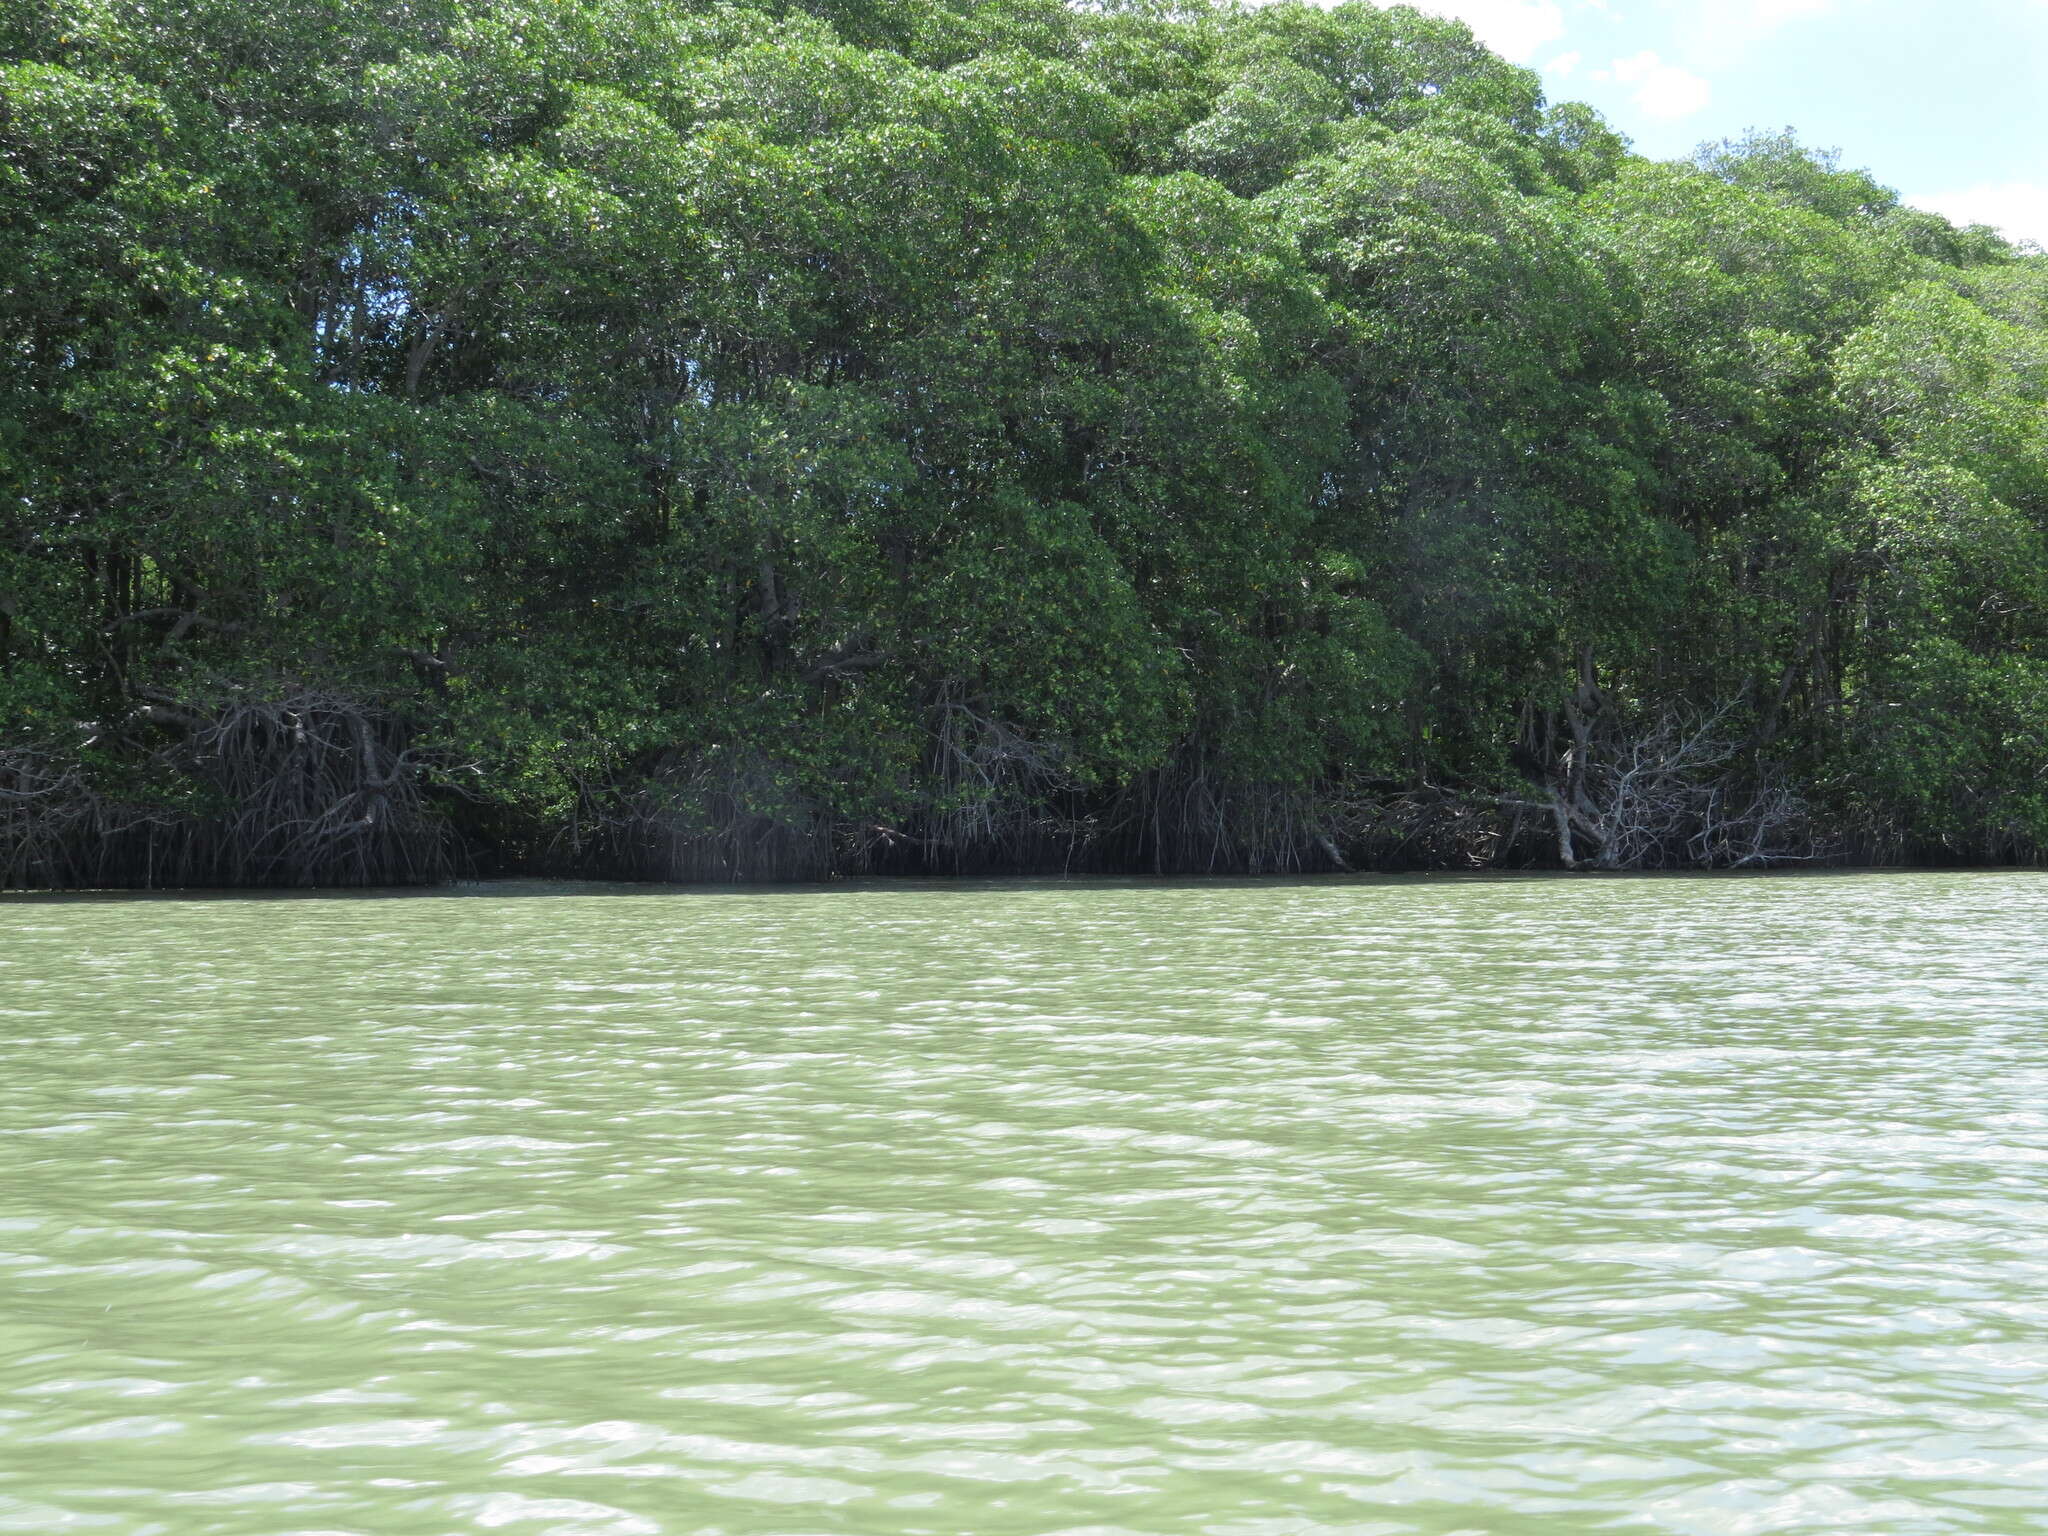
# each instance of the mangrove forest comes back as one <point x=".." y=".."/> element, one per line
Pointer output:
<point x="657" y="439"/>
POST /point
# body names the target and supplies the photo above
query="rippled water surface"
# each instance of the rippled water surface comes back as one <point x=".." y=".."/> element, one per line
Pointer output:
<point x="1505" y="1207"/>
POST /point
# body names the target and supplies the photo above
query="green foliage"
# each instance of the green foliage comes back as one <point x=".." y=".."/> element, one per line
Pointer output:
<point x="855" y="434"/>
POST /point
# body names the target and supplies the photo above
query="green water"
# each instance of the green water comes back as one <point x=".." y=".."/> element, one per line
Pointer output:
<point x="1374" y="1207"/>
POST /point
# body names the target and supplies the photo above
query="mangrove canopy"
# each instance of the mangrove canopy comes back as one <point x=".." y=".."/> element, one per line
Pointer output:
<point x="768" y="439"/>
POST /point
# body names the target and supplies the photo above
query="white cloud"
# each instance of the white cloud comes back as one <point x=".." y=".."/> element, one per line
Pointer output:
<point x="2017" y="209"/>
<point x="1564" y="64"/>
<point x="1661" y="90"/>
<point x="1725" y="31"/>
<point x="1769" y="15"/>
<point x="1514" y="29"/>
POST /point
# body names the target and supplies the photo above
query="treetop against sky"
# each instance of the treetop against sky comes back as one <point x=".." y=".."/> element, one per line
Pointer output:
<point x="1948" y="102"/>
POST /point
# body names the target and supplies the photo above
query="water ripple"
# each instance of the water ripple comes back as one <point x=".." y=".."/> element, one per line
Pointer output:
<point x="1340" y="1208"/>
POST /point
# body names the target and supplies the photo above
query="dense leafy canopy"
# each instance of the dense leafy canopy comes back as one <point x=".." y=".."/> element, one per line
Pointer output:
<point x="782" y="436"/>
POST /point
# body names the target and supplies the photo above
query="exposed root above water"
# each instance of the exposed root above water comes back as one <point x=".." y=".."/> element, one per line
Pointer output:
<point x="299" y="789"/>
<point x="1679" y="789"/>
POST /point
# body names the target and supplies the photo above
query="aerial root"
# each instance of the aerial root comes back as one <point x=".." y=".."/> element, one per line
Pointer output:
<point x="305" y="789"/>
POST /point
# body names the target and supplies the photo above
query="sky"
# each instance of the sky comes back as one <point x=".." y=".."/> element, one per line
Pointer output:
<point x="1944" y="100"/>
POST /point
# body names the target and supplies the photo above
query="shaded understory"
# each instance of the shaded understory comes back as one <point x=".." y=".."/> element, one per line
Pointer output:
<point x="311" y="790"/>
